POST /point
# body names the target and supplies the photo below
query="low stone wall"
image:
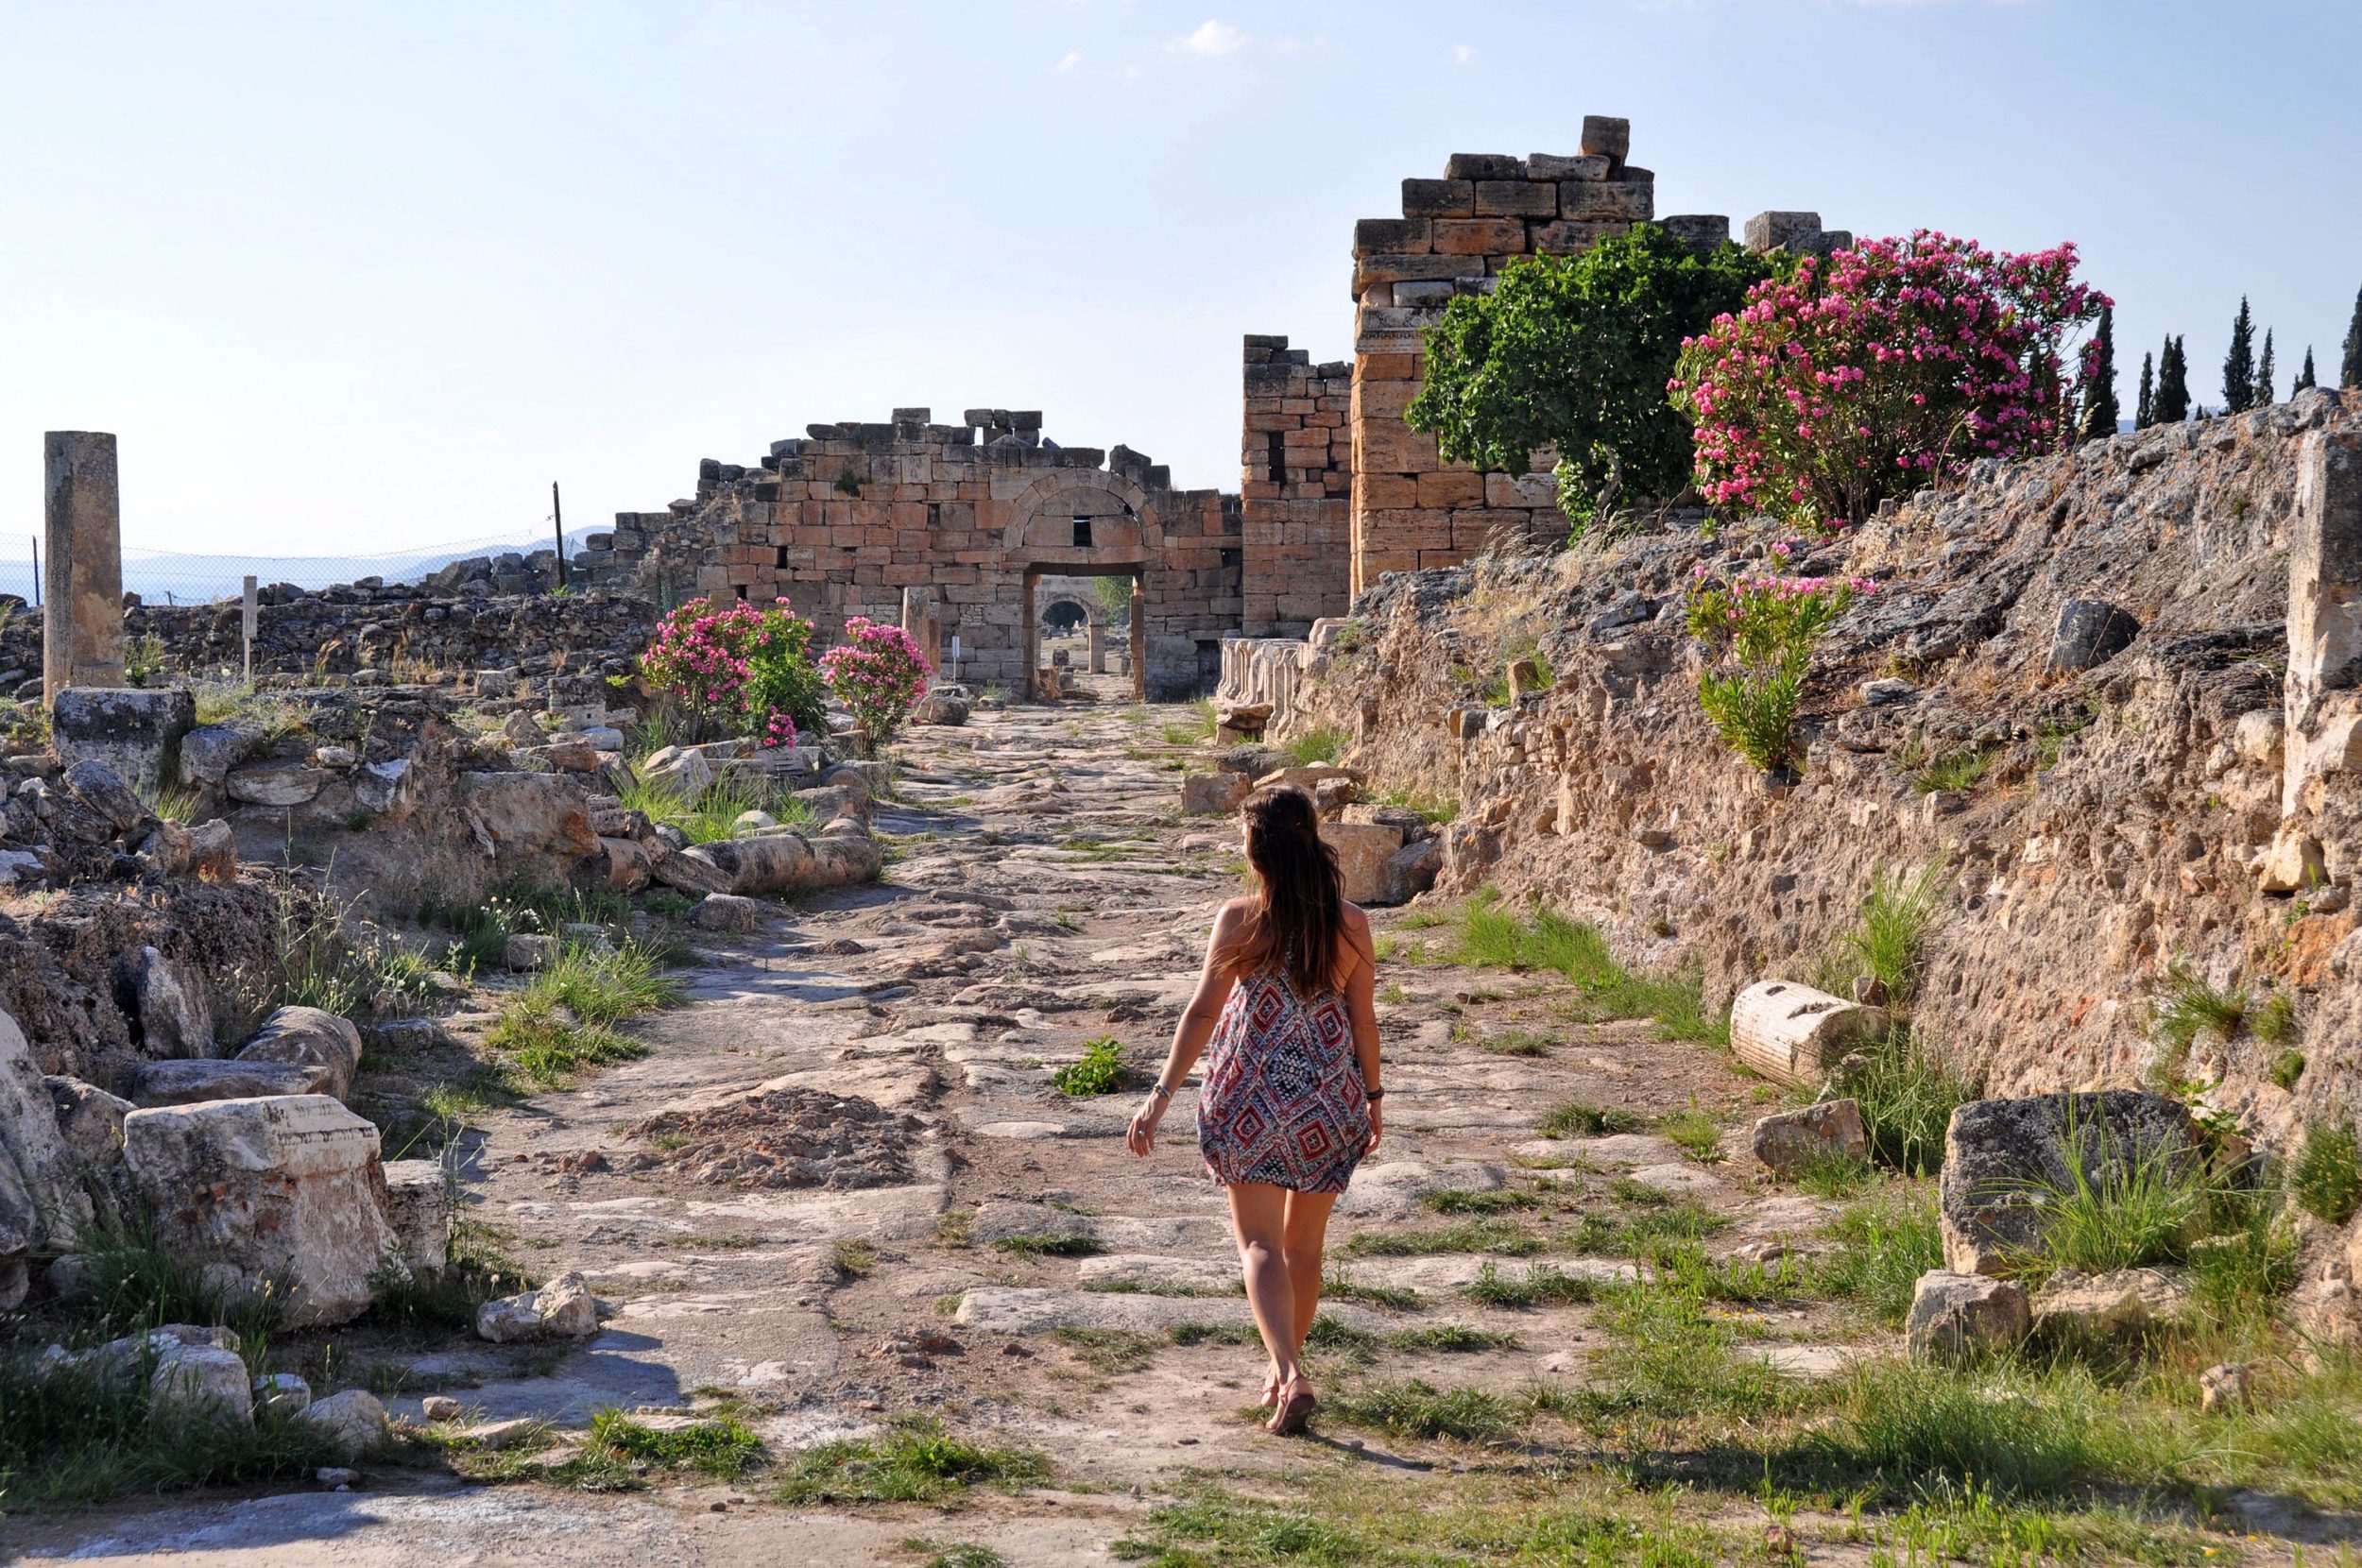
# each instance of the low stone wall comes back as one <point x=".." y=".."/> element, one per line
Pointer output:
<point x="2137" y="808"/>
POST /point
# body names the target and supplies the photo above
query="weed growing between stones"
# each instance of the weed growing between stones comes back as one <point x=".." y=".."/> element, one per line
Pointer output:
<point x="1696" y="1133"/>
<point x="1516" y="1042"/>
<point x="476" y="1270"/>
<point x="136" y="1286"/>
<point x="1498" y="1237"/>
<point x="1541" y="1286"/>
<point x="1319" y="744"/>
<point x="2186" y="1007"/>
<point x="913" y="1461"/>
<point x="563" y="1019"/>
<point x="1197" y="724"/>
<point x="1577" y="1119"/>
<point x="1111" y="1351"/>
<point x="1887" y="942"/>
<point x="710" y="815"/>
<point x="1959" y="770"/>
<point x="1436" y="809"/>
<point x="1050" y="1246"/>
<point x="1457" y="1200"/>
<point x="956" y="1554"/>
<point x="2123" y="1210"/>
<point x="2326" y="1179"/>
<point x="1099" y="1071"/>
<point x="1834" y="1173"/>
<point x="1883" y="1245"/>
<point x="1907" y="1091"/>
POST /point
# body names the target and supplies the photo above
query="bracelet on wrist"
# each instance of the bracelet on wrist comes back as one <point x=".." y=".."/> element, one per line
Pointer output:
<point x="1160" y="1091"/>
<point x="1374" y="1094"/>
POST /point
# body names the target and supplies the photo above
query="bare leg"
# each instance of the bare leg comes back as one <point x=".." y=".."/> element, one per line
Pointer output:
<point x="1306" y="1231"/>
<point x="1258" y="1216"/>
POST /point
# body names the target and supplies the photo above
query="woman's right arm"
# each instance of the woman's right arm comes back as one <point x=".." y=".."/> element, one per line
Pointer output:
<point x="1196" y="1027"/>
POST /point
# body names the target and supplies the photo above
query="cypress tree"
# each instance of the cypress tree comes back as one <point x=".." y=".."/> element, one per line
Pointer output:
<point x="2100" y="411"/>
<point x="2264" y="397"/>
<point x="2350" y="373"/>
<point x="2145" y="411"/>
<point x="2304" y="377"/>
<point x="2238" y="365"/>
<point x="2173" y="383"/>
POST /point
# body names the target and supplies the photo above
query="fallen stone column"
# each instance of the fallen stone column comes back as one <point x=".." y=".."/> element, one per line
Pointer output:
<point x="1793" y="1033"/>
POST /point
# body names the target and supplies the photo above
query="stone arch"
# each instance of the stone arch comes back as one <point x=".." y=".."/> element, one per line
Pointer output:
<point x="1044" y="521"/>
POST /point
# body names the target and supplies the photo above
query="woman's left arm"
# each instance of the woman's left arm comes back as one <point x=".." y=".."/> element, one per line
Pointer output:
<point x="1362" y="1013"/>
<point x="1196" y="1027"/>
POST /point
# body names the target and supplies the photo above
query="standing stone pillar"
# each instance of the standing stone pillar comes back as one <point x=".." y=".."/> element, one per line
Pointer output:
<point x="82" y="608"/>
<point x="2324" y="613"/>
<point x="923" y="621"/>
<point x="1098" y="627"/>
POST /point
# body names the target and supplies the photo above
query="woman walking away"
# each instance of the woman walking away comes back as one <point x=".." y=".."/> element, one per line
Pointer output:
<point x="1290" y="1096"/>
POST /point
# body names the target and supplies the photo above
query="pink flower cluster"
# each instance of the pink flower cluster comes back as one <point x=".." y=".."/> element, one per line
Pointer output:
<point x="879" y="674"/>
<point x="1879" y="368"/>
<point x="725" y="666"/>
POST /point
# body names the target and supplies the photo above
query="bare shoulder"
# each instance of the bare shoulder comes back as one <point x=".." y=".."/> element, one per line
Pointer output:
<point x="1231" y="914"/>
<point x="1357" y="924"/>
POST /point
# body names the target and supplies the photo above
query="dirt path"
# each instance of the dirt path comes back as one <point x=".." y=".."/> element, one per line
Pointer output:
<point x="1012" y="1272"/>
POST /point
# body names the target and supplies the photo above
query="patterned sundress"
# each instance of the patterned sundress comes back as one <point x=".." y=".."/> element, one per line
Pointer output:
<point x="1282" y="1100"/>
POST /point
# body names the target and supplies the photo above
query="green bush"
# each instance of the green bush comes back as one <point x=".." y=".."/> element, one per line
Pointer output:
<point x="1759" y="633"/>
<point x="2326" y="1180"/>
<point x="1322" y="743"/>
<point x="1100" y="1070"/>
<point x="1575" y="352"/>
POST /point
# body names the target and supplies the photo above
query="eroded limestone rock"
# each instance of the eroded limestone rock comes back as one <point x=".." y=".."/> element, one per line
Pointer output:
<point x="1957" y="1316"/>
<point x="1791" y="1141"/>
<point x="2002" y="1159"/>
<point x="562" y="1309"/>
<point x="308" y="1037"/>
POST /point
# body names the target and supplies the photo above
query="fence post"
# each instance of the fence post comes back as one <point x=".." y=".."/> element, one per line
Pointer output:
<point x="36" y="571"/>
<point x="558" y="515"/>
<point x="249" y="613"/>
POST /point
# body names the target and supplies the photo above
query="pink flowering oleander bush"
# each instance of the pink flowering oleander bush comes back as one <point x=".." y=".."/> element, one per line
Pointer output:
<point x="1880" y="369"/>
<point x="879" y="675"/>
<point x="739" y="669"/>
<point x="1759" y="632"/>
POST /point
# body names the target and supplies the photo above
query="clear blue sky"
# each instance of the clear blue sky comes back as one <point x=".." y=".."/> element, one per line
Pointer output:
<point x="348" y="277"/>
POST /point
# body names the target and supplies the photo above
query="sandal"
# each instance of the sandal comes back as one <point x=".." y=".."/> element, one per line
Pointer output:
<point x="1271" y="1393"/>
<point x="1293" y="1413"/>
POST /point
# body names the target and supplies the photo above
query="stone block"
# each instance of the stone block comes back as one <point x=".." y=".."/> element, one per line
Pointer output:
<point x="2104" y="1314"/>
<point x="82" y="626"/>
<point x="287" y="783"/>
<point x="1545" y="165"/>
<point x="200" y="1083"/>
<point x="282" y="1394"/>
<point x="1479" y="236"/>
<point x="1573" y="236"/>
<point x="1483" y="165"/>
<point x="1361" y="850"/>
<point x="726" y="912"/>
<point x="1778" y="231"/>
<point x="418" y="1206"/>
<point x="1396" y="236"/>
<point x="1411" y="870"/>
<point x="308" y="1037"/>
<point x="2089" y="633"/>
<point x="1516" y="199"/>
<point x="1791" y="1033"/>
<point x="1957" y="1317"/>
<point x="42" y="1197"/>
<point x="89" y="1118"/>
<point x="2004" y="1160"/>
<point x="199" y="1382"/>
<point x="562" y="1309"/>
<point x="527" y="952"/>
<point x="1607" y="136"/>
<point x="210" y="751"/>
<point x="1606" y="200"/>
<point x="283" y="1193"/>
<point x="1213" y="795"/>
<point x="134" y="731"/>
<point x="1791" y="1141"/>
<point x="354" y="1420"/>
<point x="532" y="813"/>
<point x="175" y="1018"/>
<point x="1447" y="199"/>
<point x="1698" y="231"/>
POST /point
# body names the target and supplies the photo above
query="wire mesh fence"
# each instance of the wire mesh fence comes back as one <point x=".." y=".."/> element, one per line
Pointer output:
<point x="181" y="578"/>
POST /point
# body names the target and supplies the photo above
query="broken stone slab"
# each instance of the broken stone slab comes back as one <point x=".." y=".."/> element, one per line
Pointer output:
<point x="197" y="1083"/>
<point x="308" y="1037"/>
<point x="1957" y="1317"/>
<point x="418" y="1206"/>
<point x="1790" y="1141"/>
<point x="726" y="912"/>
<point x="283" y="1194"/>
<point x="1308" y="777"/>
<point x="43" y="1199"/>
<point x="174" y="1018"/>
<point x="1793" y="1034"/>
<point x="354" y="1420"/>
<point x="275" y="783"/>
<point x="133" y="731"/>
<point x="688" y="871"/>
<point x="527" y="952"/>
<point x="501" y="1434"/>
<point x="562" y="1309"/>
<point x="208" y="752"/>
<point x="201" y="1382"/>
<point x="627" y="864"/>
<point x="2005" y="1161"/>
<point x="1156" y="1274"/>
<point x="89" y="1118"/>
<point x="1213" y="795"/>
<point x="441" y="1408"/>
<point x="282" y="1394"/>
<point x="938" y="707"/>
<point x="1615" y="1149"/>
<point x="2105" y="1314"/>
<point x="213" y="851"/>
<point x="1678" y="1178"/>
<point x="1362" y="851"/>
<point x="1411" y="870"/>
<point x="528" y="814"/>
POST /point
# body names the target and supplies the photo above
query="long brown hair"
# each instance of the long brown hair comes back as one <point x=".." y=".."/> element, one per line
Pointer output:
<point x="1298" y="924"/>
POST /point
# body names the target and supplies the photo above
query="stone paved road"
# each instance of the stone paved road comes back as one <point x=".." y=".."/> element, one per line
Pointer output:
<point x="1043" y="892"/>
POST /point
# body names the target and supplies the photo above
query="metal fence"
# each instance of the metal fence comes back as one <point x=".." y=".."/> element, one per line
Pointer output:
<point x="179" y="577"/>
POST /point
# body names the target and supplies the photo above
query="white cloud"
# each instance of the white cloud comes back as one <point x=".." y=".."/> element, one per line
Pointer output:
<point x="1072" y="61"/>
<point x="1212" y="40"/>
<point x="1464" y="54"/>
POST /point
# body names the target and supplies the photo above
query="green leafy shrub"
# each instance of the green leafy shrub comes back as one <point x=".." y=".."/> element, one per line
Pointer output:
<point x="1759" y="632"/>
<point x="1574" y="352"/>
<point x="1320" y="743"/>
<point x="1100" y="1070"/>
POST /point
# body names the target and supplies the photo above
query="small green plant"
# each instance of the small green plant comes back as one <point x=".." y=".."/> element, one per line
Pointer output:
<point x="1959" y="770"/>
<point x="2187" y="1007"/>
<point x="1542" y="1285"/>
<point x="1695" y="1133"/>
<point x="1907" y="1091"/>
<point x="1883" y="1248"/>
<point x="1499" y="1237"/>
<point x="1437" y="809"/>
<point x="1414" y="1409"/>
<point x="1516" y="1042"/>
<point x="2121" y="1209"/>
<point x="2275" y="1024"/>
<point x="1112" y="1350"/>
<point x="1064" y="1244"/>
<point x="2326" y="1177"/>
<point x="913" y="1461"/>
<point x="1099" y="1071"/>
<point x="1198" y="726"/>
<point x="1577" y="1119"/>
<point x="143" y="659"/>
<point x="1759" y="633"/>
<point x="1887" y="942"/>
<point x="1834" y="1173"/>
<point x="847" y="481"/>
<point x="1457" y="1200"/>
<point x="2287" y="1068"/>
<point x="724" y="1449"/>
<point x="1319" y="744"/>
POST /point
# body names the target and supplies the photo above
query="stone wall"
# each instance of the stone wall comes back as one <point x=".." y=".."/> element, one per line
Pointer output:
<point x="373" y="634"/>
<point x="1409" y="510"/>
<point x="2144" y="803"/>
<point x="841" y="520"/>
<point x="1296" y="488"/>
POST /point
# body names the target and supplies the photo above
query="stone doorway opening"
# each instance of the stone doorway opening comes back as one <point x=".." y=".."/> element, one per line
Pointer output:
<point x="1081" y="635"/>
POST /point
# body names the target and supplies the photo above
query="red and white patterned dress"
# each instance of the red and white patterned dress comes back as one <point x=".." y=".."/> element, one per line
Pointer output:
<point x="1282" y="1102"/>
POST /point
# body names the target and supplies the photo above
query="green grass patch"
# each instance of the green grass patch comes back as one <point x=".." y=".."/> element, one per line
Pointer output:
<point x="1959" y="770"/>
<point x="1517" y="1042"/>
<point x="1907" y="1091"/>
<point x="1319" y="744"/>
<point x="1108" y="1349"/>
<point x="1576" y="1119"/>
<point x="1883" y="1245"/>
<point x="1067" y="1245"/>
<point x="1695" y="1133"/>
<point x="1498" y="1237"/>
<point x="1414" y="1409"/>
<point x="1456" y="1201"/>
<point x="1541" y="1286"/>
<point x="914" y="1461"/>
<point x="1495" y="935"/>
<point x="2326" y="1177"/>
<point x="1887" y="943"/>
<point x="724" y="1449"/>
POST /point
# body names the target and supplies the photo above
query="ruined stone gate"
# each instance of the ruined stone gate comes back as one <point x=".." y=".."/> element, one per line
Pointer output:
<point x="1336" y="488"/>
